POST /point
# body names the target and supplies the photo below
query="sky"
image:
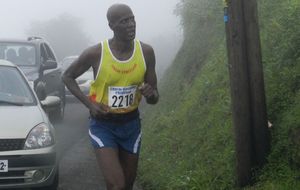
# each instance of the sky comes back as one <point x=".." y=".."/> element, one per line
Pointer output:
<point x="154" y="17"/>
<point x="156" y="22"/>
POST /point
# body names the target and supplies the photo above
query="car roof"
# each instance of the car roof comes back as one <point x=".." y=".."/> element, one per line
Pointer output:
<point x="32" y="40"/>
<point x="6" y="63"/>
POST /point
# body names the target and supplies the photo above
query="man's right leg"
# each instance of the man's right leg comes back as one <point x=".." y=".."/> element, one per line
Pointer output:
<point x="108" y="160"/>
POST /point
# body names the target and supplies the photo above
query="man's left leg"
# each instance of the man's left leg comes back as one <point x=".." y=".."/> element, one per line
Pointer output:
<point x="129" y="163"/>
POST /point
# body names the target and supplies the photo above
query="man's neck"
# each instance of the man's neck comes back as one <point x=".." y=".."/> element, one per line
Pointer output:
<point x="120" y="45"/>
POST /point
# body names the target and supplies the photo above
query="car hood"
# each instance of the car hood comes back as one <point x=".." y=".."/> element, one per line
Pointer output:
<point x="16" y="122"/>
<point x="31" y="73"/>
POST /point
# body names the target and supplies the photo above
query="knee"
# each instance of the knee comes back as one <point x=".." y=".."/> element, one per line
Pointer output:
<point x="116" y="185"/>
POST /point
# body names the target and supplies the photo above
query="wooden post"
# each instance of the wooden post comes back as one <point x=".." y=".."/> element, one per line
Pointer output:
<point x="240" y="92"/>
<point x="261" y="136"/>
<point x="247" y="87"/>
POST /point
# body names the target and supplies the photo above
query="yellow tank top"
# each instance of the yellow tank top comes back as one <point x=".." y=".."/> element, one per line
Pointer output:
<point x="117" y="82"/>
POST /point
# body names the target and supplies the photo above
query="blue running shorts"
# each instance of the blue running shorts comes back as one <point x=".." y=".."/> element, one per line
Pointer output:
<point x="125" y="135"/>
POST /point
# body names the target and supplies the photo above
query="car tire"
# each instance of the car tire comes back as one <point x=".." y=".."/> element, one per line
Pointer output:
<point x="53" y="186"/>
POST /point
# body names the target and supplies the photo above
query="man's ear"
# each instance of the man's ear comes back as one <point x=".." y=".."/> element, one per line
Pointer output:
<point x="111" y="25"/>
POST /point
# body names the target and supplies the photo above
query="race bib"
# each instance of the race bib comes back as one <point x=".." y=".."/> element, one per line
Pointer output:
<point x="121" y="97"/>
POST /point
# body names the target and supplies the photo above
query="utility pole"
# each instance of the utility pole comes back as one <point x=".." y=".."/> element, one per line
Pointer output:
<point x="247" y="87"/>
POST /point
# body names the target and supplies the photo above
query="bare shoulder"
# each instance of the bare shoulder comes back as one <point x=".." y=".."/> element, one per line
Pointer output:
<point x="147" y="49"/>
<point x="87" y="59"/>
<point x="148" y="54"/>
<point x="91" y="54"/>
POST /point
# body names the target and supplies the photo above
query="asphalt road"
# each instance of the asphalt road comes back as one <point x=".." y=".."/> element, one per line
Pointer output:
<point x="78" y="166"/>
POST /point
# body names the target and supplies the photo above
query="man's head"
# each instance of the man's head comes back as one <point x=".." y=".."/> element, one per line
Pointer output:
<point x="11" y="55"/>
<point x="23" y="52"/>
<point x="121" y="20"/>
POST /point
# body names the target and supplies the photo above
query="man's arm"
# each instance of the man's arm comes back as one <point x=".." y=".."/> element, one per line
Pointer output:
<point x="89" y="58"/>
<point x="149" y="89"/>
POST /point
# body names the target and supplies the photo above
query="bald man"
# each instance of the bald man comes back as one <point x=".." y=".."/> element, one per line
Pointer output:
<point x="124" y="72"/>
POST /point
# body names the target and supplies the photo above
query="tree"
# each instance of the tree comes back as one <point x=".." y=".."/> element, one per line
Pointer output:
<point x="64" y="33"/>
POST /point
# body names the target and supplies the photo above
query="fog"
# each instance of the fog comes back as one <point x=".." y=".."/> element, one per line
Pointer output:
<point x="156" y="22"/>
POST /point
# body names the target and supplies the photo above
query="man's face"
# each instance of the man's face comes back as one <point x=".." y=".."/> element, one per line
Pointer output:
<point x="124" y="27"/>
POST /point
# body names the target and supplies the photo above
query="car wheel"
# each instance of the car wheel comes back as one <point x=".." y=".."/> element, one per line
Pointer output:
<point x="53" y="186"/>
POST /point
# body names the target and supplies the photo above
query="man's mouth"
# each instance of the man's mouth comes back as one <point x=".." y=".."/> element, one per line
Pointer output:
<point x="131" y="33"/>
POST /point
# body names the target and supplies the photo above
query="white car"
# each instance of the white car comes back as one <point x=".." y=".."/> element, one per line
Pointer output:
<point x="27" y="138"/>
<point x="83" y="81"/>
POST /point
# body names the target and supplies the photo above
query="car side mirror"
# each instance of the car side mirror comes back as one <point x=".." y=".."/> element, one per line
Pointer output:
<point x="49" y="64"/>
<point x="50" y="103"/>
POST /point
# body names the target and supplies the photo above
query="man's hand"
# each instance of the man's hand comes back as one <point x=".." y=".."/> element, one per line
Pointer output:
<point x="97" y="110"/>
<point x="146" y="90"/>
<point x="149" y="93"/>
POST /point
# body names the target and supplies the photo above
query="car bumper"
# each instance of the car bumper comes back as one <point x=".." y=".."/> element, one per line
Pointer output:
<point x="29" y="170"/>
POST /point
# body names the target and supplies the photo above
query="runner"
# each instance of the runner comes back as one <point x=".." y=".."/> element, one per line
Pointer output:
<point x="124" y="70"/>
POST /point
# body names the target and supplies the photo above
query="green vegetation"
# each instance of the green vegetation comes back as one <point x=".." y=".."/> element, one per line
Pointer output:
<point x="188" y="140"/>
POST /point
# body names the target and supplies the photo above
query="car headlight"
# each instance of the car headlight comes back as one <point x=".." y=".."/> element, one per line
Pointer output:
<point x="39" y="137"/>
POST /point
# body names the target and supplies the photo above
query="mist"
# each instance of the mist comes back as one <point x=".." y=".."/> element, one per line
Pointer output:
<point x="157" y="24"/>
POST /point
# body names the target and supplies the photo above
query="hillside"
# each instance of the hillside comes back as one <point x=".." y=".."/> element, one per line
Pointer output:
<point x="188" y="140"/>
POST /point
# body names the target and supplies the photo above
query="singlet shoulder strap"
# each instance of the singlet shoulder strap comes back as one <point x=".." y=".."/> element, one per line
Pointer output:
<point x="100" y="62"/>
<point x="140" y="49"/>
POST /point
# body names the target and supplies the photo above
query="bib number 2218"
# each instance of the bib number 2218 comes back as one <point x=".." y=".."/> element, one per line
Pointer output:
<point x="121" y="97"/>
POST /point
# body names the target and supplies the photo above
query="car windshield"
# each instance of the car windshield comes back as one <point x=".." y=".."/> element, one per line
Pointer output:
<point x="67" y="62"/>
<point x="14" y="89"/>
<point x="21" y="54"/>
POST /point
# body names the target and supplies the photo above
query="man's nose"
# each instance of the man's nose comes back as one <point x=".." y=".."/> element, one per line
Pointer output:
<point x="131" y="23"/>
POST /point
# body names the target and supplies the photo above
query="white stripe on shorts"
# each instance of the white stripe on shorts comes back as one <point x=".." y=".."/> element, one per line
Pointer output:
<point x="136" y="144"/>
<point x="96" y="139"/>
